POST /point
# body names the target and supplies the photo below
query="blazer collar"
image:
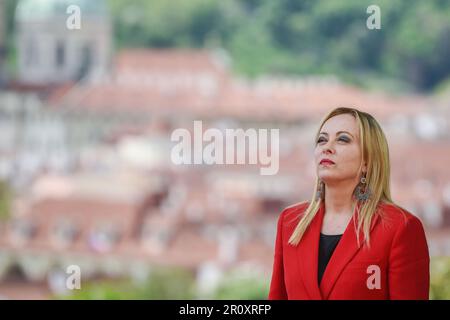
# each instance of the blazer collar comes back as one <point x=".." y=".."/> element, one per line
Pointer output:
<point x="308" y="255"/>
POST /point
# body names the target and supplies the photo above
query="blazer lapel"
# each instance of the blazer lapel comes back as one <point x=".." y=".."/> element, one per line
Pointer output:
<point x="308" y="254"/>
<point x="343" y="254"/>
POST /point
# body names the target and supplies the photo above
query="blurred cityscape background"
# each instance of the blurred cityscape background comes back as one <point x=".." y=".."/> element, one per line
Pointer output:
<point x="86" y="117"/>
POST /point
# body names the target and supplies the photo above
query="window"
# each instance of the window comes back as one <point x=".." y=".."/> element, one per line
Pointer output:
<point x="31" y="53"/>
<point x="104" y="238"/>
<point x="64" y="233"/>
<point x="86" y="61"/>
<point x="60" y="54"/>
<point x="22" y="231"/>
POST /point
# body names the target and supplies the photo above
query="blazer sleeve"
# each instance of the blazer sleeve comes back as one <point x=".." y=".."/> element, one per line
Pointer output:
<point x="277" y="286"/>
<point x="409" y="263"/>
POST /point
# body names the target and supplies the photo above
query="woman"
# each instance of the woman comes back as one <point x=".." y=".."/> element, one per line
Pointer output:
<point x="350" y="241"/>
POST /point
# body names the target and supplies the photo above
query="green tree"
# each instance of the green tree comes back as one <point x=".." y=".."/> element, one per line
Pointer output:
<point x="409" y="52"/>
<point x="242" y="286"/>
<point x="440" y="278"/>
<point x="162" y="283"/>
<point x="5" y="200"/>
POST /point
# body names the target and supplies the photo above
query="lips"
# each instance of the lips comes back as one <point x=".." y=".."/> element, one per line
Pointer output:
<point x="326" y="161"/>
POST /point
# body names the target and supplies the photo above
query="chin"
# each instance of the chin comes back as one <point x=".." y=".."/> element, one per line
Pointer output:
<point x="329" y="178"/>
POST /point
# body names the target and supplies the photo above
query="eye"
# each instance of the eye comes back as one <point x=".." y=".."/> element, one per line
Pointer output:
<point x="321" y="139"/>
<point x="344" y="138"/>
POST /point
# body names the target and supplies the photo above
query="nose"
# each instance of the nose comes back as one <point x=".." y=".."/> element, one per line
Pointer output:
<point x="328" y="148"/>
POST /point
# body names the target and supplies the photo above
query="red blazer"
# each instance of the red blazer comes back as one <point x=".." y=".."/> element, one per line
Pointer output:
<point x="398" y="248"/>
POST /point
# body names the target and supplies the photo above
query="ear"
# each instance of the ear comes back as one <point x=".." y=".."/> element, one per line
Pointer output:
<point x="364" y="168"/>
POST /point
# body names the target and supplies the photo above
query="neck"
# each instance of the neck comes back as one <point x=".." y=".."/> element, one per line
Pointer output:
<point x="339" y="198"/>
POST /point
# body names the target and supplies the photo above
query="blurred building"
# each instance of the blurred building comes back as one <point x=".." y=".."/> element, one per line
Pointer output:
<point x="51" y="53"/>
<point x="33" y="139"/>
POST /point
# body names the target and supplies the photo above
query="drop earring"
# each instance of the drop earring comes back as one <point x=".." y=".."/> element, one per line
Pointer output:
<point x="362" y="191"/>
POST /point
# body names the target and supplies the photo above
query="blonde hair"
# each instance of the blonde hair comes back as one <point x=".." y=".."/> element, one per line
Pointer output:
<point x="375" y="153"/>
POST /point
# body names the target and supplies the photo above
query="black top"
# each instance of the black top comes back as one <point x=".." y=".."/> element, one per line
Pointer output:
<point x="327" y="244"/>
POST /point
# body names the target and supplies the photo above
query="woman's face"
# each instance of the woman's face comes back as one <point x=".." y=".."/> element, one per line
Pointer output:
<point x="338" y="141"/>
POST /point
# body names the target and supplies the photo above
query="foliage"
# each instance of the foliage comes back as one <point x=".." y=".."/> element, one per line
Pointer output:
<point x="173" y="284"/>
<point x="409" y="52"/>
<point x="302" y="37"/>
<point x="5" y="200"/>
<point x="162" y="284"/>
<point x="440" y="278"/>
<point x="242" y="287"/>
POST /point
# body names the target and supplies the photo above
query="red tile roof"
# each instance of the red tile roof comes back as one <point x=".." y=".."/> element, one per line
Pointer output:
<point x="195" y="83"/>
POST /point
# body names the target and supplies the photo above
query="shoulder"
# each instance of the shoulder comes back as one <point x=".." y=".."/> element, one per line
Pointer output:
<point x="397" y="219"/>
<point x="396" y="214"/>
<point x="292" y="214"/>
<point x="407" y="235"/>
